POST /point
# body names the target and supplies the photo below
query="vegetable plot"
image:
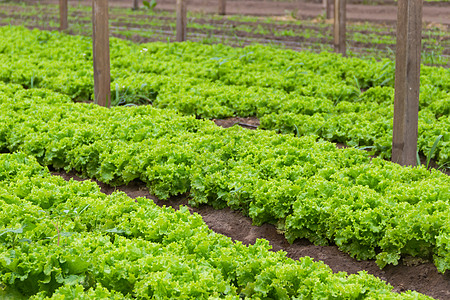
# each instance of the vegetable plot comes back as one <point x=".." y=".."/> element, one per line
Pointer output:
<point x="366" y="39"/>
<point x="68" y="240"/>
<point x="338" y="99"/>
<point x="308" y="188"/>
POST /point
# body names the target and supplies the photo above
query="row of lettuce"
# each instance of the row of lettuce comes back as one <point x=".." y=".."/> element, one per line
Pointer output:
<point x="67" y="240"/>
<point x="370" y="208"/>
<point x="339" y="99"/>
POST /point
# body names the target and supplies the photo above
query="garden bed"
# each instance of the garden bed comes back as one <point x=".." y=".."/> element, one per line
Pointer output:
<point x="409" y="274"/>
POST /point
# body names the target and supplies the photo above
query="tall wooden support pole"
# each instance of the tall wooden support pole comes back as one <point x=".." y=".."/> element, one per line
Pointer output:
<point x="63" y="12"/>
<point x="135" y="4"/>
<point x="181" y="20"/>
<point x="339" y="26"/>
<point x="222" y="6"/>
<point x="407" y="82"/>
<point x="102" y="88"/>
<point x="328" y="11"/>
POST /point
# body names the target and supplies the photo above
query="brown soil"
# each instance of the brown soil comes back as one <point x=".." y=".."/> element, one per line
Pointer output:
<point x="355" y="12"/>
<point x="250" y="123"/>
<point x="432" y="13"/>
<point x="410" y="274"/>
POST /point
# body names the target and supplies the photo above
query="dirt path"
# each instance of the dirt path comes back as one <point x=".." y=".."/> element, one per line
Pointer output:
<point x="411" y="275"/>
<point x="432" y="13"/>
<point x="355" y="12"/>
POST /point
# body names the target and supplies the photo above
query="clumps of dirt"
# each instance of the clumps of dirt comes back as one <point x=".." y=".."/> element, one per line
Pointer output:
<point x="250" y="122"/>
<point x="412" y="274"/>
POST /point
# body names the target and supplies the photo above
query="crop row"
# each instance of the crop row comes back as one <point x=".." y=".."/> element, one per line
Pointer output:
<point x="339" y="99"/>
<point x="60" y="238"/>
<point x="148" y="25"/>
<point x="310" y="189"/>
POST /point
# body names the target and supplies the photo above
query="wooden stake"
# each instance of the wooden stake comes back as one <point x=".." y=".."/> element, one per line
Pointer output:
<point x="63" y="12"/>
<point x="135" y="4"/>
<point x="328" y="11"/>
<point x="181" y="20"/>
<point x="407" y="82"/>
<point x="102" y="87"/>
<point x="339" y="26"/>
<point x="222" y="6"/>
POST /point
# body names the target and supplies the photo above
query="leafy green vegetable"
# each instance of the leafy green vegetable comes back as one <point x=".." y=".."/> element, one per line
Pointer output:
<point x="306" y="186"/>
<point x="122" y="249"/>
<point x="345" y="100"/>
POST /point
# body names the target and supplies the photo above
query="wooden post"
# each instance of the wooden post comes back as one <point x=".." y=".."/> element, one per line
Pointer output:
<point x="407" y="82"/>
<point x="63" y="12"/>
<point x="339" y="26"/>
<point x="135" y="4"/>
<point x="181" y="20"/>
<point x="102" y="88"/>
<point x="222" y="5"/>
<point x="328" y="12"/>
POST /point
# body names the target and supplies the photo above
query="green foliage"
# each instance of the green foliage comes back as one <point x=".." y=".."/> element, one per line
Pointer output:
<point x="149" y="4"/>
<point x="340" y="99"/>
<point x="370" y="208"/>
<point x="433" y="149"/>
<point x="121" y="248"/>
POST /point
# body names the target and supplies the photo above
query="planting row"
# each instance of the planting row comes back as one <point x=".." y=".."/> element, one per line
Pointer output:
<point x="306" y="186"/>
<point x="339" y="99"/>
<point x="66" y="239"/>
<point x="363" y="39"/>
